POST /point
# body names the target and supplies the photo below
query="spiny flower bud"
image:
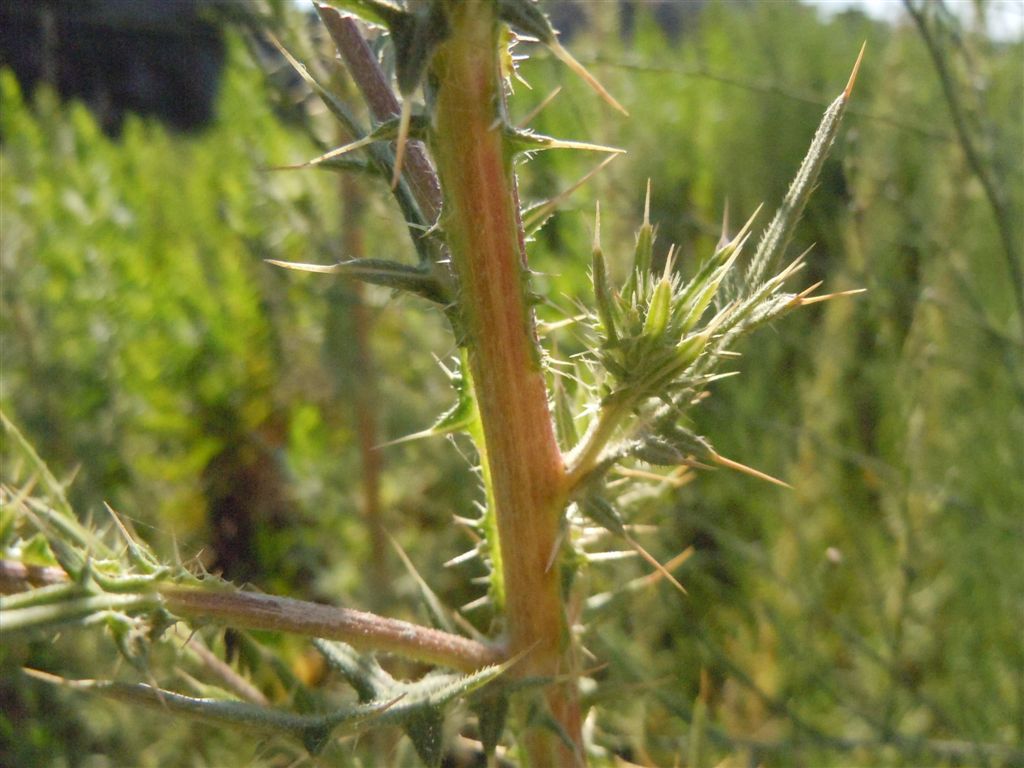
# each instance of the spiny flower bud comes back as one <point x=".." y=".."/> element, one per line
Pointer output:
<point x="645" y="237"/>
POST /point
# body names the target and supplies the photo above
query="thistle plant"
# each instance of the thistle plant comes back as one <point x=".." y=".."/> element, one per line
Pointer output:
<point x="440" y="137"/>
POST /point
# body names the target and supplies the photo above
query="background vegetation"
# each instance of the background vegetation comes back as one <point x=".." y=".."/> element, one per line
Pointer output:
<point x="871" y="616"/>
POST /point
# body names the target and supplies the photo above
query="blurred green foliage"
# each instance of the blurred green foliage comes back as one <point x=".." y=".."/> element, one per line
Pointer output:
<point x="871" y="616"/>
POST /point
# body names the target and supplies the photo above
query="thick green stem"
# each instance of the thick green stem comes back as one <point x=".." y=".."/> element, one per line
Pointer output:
<point x="586" y="455"/>
<point x="480" y="221"/>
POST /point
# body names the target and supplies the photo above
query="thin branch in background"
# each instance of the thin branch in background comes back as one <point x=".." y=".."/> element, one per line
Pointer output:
<point x="770" y="89"/>
<point x="230" y="679"/>
<point x="364" y="376"/>
<point x="982" y="169"/>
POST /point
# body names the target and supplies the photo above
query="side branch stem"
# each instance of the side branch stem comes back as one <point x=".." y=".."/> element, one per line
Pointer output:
<point x="587" y="454"/>
<point x="363" y="631"/>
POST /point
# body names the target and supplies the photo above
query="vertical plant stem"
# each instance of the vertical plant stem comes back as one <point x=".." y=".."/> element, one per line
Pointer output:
<point x="480" y="220"/>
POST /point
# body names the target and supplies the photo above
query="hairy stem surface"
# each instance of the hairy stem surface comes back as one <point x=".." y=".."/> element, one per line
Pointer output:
<point x="481" y="223"/>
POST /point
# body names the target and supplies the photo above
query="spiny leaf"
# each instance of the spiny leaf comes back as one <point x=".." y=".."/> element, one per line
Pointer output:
<point x="491" y="712"/>
<point x="418" y="707"/>
<point x="436" y="689"/>
<point x="389" y="274"/>
<point x="139" y="552"/>
<point x="644" y="251"/>
<point x="602" y="512"/>
<point x="425" y="701"/>
<point x="706" y="292"/>
<point x="312" y="730"/>
<point x="50" y="483"/>
<point x="526" y="140"/>
<point x="386" y="131"/>
<point x="535" y="216"/>
<point x="342" y="163"/>
<point x="337" y="107"/>
<point x="463" y="416"/>
<point x="425" y="729"/>
<point x="440" y="689"/>
<point x="725" y="255"/>
<point x="780" y="231"/>
<point x="526" y="16"/>
<point x="565" y="422"/>
<point x="606" y="305"/>
<point x="360" y="670"/>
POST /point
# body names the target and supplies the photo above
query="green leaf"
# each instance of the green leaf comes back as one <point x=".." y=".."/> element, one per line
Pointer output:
<point x="425" y="729"/>
<point x="491" y="712"/>
<point x="601" y="511"/>
<point x="36" y="551"/>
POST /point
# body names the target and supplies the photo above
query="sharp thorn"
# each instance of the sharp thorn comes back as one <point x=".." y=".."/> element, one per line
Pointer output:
<point x="825" y="297"/>
<point x="853" y="75"/>
<point x="403" y="139"/>
<point x="719" y="459"/>
<point x="570" y="61"/>
<point x="532" y="114"/>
